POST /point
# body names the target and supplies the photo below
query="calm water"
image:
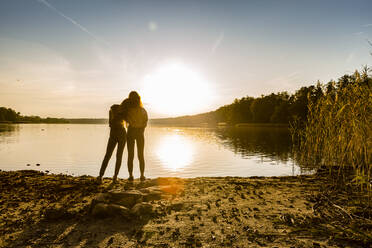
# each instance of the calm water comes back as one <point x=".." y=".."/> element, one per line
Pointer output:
<point x="185" y="152"/>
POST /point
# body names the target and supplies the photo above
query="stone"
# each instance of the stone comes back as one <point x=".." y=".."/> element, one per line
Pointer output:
<point x="107" y="210"/>
<point x="142" y="209"/>
<point x="152" y="195"/>
<point x="126" y="198"/>
<point x="115" y="210"/>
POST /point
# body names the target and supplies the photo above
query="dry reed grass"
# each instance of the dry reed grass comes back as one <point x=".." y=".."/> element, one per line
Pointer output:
<point x="338" y="131"/>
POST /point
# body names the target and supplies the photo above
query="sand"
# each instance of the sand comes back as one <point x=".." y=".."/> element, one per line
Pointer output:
<point x="45" y="210"/>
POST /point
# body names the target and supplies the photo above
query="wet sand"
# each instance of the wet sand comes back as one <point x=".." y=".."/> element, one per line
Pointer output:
<point x="43" y="210"/>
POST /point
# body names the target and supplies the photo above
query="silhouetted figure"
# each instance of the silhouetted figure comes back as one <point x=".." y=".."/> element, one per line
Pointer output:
<point x="117" y="116"/>
<point x="137" y="119"/>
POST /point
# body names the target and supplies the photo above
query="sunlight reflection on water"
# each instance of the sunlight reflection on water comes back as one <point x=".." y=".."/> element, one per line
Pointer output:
<point x="175" y="151"/>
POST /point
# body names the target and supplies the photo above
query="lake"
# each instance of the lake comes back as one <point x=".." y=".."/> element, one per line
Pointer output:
<point x="78" y="149"/>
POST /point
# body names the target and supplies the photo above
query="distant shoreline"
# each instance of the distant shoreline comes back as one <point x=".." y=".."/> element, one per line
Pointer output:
<point x="157" y="124"/>
<point x="61" y="121"/>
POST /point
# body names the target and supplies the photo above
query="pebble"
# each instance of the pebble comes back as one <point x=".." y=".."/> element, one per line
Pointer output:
<point x="315" y="244"/>
<point x="214" y="219"/>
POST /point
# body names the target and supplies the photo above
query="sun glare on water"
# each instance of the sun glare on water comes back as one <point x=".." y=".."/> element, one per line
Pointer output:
<point x="175" y="152"/>
<point x="174" y="89"/>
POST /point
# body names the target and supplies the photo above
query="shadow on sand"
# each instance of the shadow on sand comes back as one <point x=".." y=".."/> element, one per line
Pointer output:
<point x="64" y="218"/>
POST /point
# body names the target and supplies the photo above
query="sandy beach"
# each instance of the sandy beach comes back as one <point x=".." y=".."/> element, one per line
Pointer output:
<point x="44" y="210"/>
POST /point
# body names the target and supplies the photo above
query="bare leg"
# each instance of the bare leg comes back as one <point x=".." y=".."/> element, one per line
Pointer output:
<point x="130" y="146"/>
<point x="110" y="148"/>
<point x="119" y="155"/>
<point x="140" y="152"/>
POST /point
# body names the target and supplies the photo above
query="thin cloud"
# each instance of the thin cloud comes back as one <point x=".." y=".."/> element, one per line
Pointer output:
<point x="367" y="25"/>
<point x="75" y="23"/>
<point x="218" y="42"/>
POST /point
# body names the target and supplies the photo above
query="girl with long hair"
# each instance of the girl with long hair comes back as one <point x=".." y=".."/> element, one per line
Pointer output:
<point x="137" y="120"/>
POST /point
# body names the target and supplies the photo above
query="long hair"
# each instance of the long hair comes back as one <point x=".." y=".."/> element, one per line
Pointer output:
<point x="135" y="99"/>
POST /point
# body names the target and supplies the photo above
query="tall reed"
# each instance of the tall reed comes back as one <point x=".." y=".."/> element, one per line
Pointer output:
<point x="338" y="132"/>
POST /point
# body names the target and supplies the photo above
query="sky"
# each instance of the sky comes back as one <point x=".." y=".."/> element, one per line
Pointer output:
<point x="75" y="58"/>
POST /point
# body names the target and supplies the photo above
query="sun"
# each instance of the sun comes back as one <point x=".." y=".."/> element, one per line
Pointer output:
<point x="175" y="89"/>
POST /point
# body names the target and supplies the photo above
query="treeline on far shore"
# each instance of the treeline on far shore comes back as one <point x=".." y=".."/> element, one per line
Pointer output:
<point x="8" y="115"/>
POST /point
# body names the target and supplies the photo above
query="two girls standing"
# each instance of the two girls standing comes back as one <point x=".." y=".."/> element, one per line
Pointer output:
<point x="130" y="111"/>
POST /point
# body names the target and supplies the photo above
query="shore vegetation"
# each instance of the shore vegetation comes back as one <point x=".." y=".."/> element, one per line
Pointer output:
<point x="337" y="135"/>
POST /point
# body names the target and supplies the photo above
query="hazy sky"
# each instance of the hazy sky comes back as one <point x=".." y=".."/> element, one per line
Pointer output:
<point x="74" y="58"/>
